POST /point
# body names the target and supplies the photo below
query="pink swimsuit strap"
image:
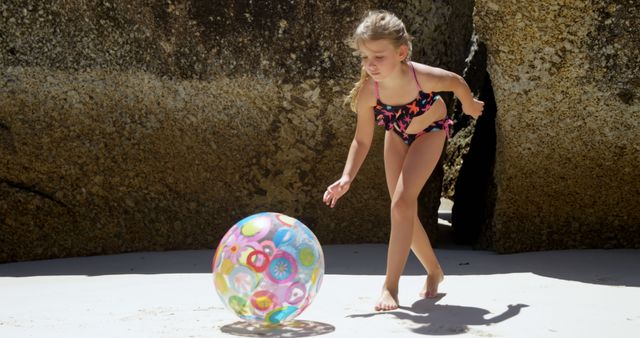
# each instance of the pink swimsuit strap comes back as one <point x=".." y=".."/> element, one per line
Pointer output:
<point x="415" y="77"/>
<point x="414" y="74"/>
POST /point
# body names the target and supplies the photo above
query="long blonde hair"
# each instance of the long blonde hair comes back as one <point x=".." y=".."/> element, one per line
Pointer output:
<point x="377" y="25"/>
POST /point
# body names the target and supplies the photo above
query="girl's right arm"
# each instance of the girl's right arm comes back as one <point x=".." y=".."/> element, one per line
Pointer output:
<point x="358" y="150"/>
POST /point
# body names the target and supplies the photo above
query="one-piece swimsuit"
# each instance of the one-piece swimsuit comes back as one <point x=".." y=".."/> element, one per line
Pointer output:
<point x="398" y="118"/>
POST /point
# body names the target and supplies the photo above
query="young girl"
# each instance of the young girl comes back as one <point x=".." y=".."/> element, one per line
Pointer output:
<point x="398" y="95"/>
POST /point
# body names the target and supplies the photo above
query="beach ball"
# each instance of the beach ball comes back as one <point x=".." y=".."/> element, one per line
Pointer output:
<point x="268" y="268"/>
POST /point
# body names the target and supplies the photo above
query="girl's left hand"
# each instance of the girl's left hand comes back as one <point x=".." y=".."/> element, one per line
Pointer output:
<point x="473" y="109"/>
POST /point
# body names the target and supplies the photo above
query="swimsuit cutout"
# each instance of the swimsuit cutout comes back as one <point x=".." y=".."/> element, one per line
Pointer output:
<point x="399" y="117"/>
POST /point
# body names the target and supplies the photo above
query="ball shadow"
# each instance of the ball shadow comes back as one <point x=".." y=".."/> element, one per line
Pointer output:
<point x="296" y="328"/>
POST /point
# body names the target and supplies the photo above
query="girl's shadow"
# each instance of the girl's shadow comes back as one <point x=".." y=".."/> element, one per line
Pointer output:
<point x="435" y="319"/>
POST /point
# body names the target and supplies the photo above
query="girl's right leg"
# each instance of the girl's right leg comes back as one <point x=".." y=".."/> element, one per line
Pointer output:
<point x="394" y="153"/>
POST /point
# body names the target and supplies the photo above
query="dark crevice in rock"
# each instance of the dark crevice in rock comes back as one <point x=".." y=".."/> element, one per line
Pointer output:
<point x="474" y="74"/>
<point x="616" y="25"/>
<point x="475" y="192"/>
<point x="31" y="189"/>
<point x="626" y="96"/>
<point x="470" y="155"/>
<point x="6" y="138"/>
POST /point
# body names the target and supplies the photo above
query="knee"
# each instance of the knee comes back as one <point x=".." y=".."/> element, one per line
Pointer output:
<point x="403" y="206"/>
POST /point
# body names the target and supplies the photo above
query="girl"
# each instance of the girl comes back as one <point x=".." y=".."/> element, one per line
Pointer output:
<point x="398" y="95"/>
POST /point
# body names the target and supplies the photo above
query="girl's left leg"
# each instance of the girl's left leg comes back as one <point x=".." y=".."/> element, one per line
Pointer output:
<point x="421" y="247"/>
<point x="419" y="162"/>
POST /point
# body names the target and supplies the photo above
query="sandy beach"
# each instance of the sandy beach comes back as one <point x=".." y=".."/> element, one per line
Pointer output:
<point x="577" y="293"/>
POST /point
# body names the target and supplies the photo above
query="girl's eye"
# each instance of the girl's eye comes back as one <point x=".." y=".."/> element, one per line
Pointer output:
<point x="379" y="57"/>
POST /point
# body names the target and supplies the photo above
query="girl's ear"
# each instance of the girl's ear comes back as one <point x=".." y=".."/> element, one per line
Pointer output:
<point x="403" y="52"/>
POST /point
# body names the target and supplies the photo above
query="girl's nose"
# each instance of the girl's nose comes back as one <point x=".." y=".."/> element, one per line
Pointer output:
<point x="371" y="66"/>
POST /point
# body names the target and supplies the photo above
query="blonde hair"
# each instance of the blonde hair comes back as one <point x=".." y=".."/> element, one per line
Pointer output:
<point x="377" y="25"/>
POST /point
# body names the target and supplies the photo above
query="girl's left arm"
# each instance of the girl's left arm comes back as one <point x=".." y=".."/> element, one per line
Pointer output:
<point x="441" y="80"/>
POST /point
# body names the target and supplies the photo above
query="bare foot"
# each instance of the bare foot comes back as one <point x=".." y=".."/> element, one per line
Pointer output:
<point x="388" y="300"/>
<point x="430" y="289"/>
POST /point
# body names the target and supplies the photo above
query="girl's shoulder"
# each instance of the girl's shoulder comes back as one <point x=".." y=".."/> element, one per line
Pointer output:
<point x="428" y="74"/>
<point x="422" y="69"/>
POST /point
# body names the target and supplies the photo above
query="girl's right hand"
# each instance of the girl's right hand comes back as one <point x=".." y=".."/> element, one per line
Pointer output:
<point x="335" y="191"/>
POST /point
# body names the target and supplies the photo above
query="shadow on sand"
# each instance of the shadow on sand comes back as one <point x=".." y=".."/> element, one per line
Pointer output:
<point x="431" y="318"/>
<point x="296" y="328"/>
<point x="606" y="267"/>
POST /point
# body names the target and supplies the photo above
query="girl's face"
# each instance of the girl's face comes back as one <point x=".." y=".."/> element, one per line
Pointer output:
<point x="380" y="58"/>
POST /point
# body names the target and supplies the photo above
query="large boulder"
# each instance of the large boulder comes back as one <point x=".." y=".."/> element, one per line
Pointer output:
<point x="128" y="126"/>
<point x="566" y="81"/>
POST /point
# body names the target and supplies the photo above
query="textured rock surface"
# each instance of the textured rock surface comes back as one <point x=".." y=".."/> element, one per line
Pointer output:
<point x="156" y="125"/>
<point x="566" y="82"/>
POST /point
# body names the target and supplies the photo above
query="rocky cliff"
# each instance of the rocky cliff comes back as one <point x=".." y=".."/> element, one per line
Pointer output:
<point x="565" y="75"/>
<point x="157" y="125"/>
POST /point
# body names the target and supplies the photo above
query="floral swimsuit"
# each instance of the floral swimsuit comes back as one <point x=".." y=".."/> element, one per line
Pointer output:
<point x="398" y="118"/>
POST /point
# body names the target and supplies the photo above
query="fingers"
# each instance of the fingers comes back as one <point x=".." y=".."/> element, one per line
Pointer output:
<point x="326" y="196"/>
<point x="479" y="112"/>
<point x="330" y="199"/>
<point x="474" y="110"/>
<point x="480" y="108"/>
<point x="332" y="194"/>
<point x="333" y="199"/>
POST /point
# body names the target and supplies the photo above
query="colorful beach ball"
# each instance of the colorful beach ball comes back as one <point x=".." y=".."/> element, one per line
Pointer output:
<point x="268" y="268"/>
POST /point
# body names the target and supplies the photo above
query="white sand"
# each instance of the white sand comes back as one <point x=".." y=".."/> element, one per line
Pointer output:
<point x="590" y="293"/>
